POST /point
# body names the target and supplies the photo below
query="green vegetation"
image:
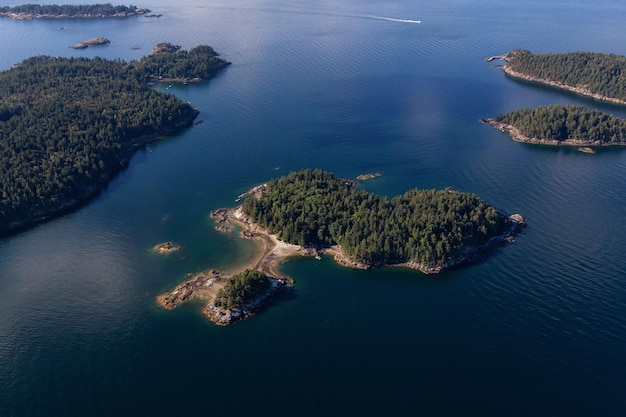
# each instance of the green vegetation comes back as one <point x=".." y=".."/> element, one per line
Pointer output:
<point x="425" y="226"/>
<point x="602" y="74"/>
<point x="86" y="10"/>
<point x="241" y="289"/>
<point x="567" y="122"/>
<point x="68" y="124"/>
<point x="200" y="62"/>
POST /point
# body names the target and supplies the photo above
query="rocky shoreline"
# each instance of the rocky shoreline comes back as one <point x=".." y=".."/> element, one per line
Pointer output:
<point x="251" y="230"/>
<point x="166" y="248"/>
<point x="29" y="16"/>
<point x="206" y="285"/>
<point x="364" y="177"/>
<point x="578" y="90"/>
<point x="90" y="42"/>
<point x="518" y="223"/>
<point x="518" y="136"/>
<point x="224" y="317"/>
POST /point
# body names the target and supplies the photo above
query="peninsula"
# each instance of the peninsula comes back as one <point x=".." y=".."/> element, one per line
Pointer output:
<point x="68" y="11"/>
<point x="591" y="74"/>
<point x="68" y="125"/>
<point x="562" y="125"/>
<point x="213" y="286"/>
<point x="312" y="213"/>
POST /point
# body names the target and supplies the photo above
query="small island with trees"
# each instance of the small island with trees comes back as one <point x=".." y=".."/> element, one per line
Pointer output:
<point x="596" y="75"/>
<point x="68" y="125"/>
<point x="312" y="213"/>
<point x="69" y="11"/>
<point x="562" y="125"/>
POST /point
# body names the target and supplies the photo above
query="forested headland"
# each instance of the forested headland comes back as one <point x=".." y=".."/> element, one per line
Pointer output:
<point x="426" y="229"/>
<point x="39" y="11"/>
<point x="68" y="124"/>
<point x="593" y="74"/>
<point x="557" y="124"/>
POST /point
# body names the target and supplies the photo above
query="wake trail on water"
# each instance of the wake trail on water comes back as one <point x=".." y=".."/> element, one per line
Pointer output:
<point x="390" y="19"/>
<point x="333" y="14"/>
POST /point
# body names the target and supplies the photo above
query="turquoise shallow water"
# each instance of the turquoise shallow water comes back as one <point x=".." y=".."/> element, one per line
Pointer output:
<point x="536" y="329"/>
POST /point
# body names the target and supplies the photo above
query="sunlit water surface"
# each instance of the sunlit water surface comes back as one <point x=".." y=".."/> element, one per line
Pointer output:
<point x="537" y="329"/>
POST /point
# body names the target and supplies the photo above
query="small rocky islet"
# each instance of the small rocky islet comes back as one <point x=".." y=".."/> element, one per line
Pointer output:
<point x="91" y="42"/>
<point x="166" y="248"/>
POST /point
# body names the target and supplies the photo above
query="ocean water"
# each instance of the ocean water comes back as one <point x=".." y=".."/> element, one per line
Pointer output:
<point x="536" y="329"/>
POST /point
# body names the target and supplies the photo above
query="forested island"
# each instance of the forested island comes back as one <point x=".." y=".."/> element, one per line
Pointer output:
<point x="69" y="11"/>
<point x="592" y="74"/>
<point x="67" y="125"/>
<point x="311" y="213"/>
<point x="562" y="125"/>
<point x="428" y="230"/>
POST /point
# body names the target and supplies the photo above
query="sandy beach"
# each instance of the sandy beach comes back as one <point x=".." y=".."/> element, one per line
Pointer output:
<point x="206" y="284"/>
<point x="273" y="251"/>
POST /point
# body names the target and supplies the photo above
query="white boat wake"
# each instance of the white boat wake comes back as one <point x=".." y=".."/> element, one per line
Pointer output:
<point x="391" y="19"/>
<point x="332" y="14"/>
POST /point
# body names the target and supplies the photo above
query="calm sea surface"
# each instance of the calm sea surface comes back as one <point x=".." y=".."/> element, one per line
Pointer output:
<point x="537" y="329"/>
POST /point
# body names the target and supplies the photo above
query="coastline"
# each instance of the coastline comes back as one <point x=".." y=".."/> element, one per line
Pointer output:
<point x="30" y="16"/>
<point x="518" y="136"/>
<point x="578" y="90"/>
<point x="470" y="254"/>
<point x="206" y="284"/>
<point x="274" y="252"/>
<point x="91" y="191"/>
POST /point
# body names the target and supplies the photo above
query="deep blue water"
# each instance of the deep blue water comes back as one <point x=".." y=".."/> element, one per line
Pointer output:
<point x="537" y="329"/>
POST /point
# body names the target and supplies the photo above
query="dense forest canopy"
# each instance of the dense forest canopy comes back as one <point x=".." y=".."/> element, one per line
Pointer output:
<point x="603" y="74"/>
<point x="200" y="62"/>
<point x="424" y="226"/>
<point x="560" y="123"/>
<point x="66" y="124"/>
<point x="69" y="10"/>
<point x="241" y="289"/>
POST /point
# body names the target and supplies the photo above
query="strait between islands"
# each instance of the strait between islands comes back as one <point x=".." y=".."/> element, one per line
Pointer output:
<point x="58" y="151"/>
<point x="487" y="230"/>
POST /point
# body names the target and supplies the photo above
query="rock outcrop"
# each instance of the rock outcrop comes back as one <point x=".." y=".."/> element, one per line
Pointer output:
<point x="90" y="42"/>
